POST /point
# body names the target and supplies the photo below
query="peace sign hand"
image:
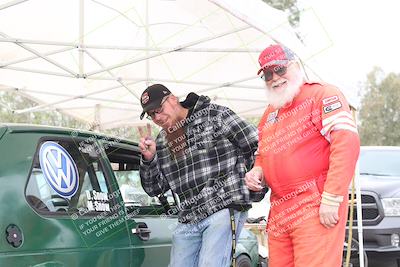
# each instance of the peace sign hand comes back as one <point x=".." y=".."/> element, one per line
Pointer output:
<point x="146" y="144"/>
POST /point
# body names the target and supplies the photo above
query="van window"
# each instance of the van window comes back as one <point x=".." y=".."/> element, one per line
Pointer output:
<point x="125" y="164"/>
<point x="67" y="177"/>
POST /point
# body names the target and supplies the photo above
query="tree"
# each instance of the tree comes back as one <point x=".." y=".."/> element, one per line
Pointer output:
<point x="380" y="113"/>
<point x="10" y="101"/>
<point x="289" y="6"/>
<point x="293" y="12"/>
<point x="15" y="102"/>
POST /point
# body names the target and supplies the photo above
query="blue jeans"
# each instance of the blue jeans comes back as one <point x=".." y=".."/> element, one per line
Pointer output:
<point x="207" y="243"/>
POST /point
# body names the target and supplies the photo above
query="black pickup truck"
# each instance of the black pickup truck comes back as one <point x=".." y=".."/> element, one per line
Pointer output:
<point x="380" y="198"/>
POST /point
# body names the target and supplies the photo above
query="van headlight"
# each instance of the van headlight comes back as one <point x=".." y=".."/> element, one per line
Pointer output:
<point x="391" y="206"/>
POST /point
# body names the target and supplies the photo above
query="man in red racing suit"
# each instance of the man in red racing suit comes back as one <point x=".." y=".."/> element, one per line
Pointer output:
<point x="308" y="149"/>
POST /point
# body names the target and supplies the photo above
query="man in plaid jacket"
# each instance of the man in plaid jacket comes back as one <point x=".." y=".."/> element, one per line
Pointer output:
<point x="202" y="154"/>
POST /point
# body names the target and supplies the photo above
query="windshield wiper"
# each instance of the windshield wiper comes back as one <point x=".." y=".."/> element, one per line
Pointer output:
<point x="375" y="174"/>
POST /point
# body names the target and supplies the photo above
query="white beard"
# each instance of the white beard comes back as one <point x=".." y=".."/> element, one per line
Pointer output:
<point x="278" y="98"/>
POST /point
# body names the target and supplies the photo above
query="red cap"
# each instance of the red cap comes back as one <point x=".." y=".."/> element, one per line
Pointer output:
<point x="274" y="55"/>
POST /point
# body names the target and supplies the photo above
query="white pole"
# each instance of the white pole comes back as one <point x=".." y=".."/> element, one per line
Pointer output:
<point x="40" y="42"/>
<point x="11" y="3"/>
<point x="134" y="48"/>
<point x="68" y="95"/>
<point x="112" y="75"/>
<point x="33" y="51"/>
<point x="359" y="214"/>
<point x="66" y="100"/>
<point x="39" y="71"/>
<point x="226" y="84"/>
<point x="34" y="57"/>
<point x="240" y="99"/>
<point x="97" y="118"/>
<point x="81" y="36"/>
<point x="173" y="81"/>
<point x="147" y="44"/>
<point x="90" y="107"/>
<point x="128" y="62"/>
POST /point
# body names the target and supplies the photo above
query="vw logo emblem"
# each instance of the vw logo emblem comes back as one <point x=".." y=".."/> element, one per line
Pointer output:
<point x="59" y="169"/>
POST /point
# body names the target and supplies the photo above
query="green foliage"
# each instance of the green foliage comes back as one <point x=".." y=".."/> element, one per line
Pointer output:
<point x="380" y="113"/>
<point x="16" y="102"/>
<point x="54" y="118"/>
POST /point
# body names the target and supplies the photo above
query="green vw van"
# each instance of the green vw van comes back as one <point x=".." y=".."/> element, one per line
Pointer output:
<point x="73" y="198"/>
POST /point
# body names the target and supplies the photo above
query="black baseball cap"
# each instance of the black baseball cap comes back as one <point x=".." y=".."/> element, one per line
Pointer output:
<point x="152" y="97"/>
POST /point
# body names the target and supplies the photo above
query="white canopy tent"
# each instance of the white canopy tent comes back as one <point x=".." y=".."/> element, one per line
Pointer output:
<point x="92" y="59"/>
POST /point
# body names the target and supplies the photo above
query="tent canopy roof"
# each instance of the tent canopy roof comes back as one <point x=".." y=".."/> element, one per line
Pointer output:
<point x="92" y="59"/>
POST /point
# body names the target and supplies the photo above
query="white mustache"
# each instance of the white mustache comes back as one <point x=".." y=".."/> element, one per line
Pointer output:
<point x="274" y="84"/>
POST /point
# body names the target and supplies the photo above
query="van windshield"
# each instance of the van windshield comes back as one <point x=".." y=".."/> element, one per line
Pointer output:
<point x="380" y="162"/>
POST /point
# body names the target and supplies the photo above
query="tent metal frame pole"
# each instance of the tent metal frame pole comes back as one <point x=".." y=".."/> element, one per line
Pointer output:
<point x="8" y="63"/>
<point x="134" y="48"/>
<point x="87" y="107"/>
<point x="38" y="42"/>
<point x="116" y="78"/>
<point x="359" y="212"/>
<point x="41" y="107"/>
<point x="38" y="71"/>
<point x="128" y="62"/>
<point x="81" y="36"/>
<point x="207" y="83"/>
<point x="130" y="118"/>
<point x="11" y="3"/>
<point x="186" y="49"/>
<point x="147" y="44"/>
<point x="32" y="98"/>
<point x="112" y="74"/>
<point x="66" y="100"/>
<point x="102" y="107"/>
<point x="96" y="124"/>
<point x="68" y="95"/>
<point x="119" y="108"/>
<point x="226" y="84"/>
<point x="238" y="16"/>
<point x="33" y="51"/>
<point x="173" y="81"/>
<point x="240" y="99"/>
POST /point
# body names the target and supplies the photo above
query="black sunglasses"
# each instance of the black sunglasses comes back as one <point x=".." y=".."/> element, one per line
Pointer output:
<point x="152" y="114"/>
<point x="268" y="73"/>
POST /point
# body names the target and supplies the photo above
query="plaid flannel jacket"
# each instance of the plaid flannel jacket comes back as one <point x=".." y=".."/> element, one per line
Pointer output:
<point x="209" y="175"/>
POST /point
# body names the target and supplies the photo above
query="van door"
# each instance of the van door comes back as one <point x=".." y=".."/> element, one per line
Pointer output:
<point x="150" y="229"/>
<point x="77" y="221"/>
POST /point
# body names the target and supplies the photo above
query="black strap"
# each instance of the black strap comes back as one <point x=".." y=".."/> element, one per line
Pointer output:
<point x="233" y="228"/>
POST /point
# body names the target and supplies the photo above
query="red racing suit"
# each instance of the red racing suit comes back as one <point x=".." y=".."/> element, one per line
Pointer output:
<point x="305" y="148"/>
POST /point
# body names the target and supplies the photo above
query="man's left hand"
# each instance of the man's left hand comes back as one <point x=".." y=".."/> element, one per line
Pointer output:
<point x="328" y="215"/>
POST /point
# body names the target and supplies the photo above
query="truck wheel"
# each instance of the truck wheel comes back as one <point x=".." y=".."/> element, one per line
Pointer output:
<point x="243" y="261"/>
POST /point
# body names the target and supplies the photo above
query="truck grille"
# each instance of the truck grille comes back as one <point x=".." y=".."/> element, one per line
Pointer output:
<point x="371" y="214"/>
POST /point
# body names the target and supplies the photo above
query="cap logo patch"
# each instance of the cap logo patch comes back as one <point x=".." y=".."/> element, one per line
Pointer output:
<point x="145" y="98"/>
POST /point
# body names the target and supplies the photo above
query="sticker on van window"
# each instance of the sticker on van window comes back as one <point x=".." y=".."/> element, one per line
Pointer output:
<point x="59" y="169"/>
<point x="97" y="201"/>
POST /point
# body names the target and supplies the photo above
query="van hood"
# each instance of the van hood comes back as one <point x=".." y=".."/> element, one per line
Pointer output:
<point x="384" y="186"/>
